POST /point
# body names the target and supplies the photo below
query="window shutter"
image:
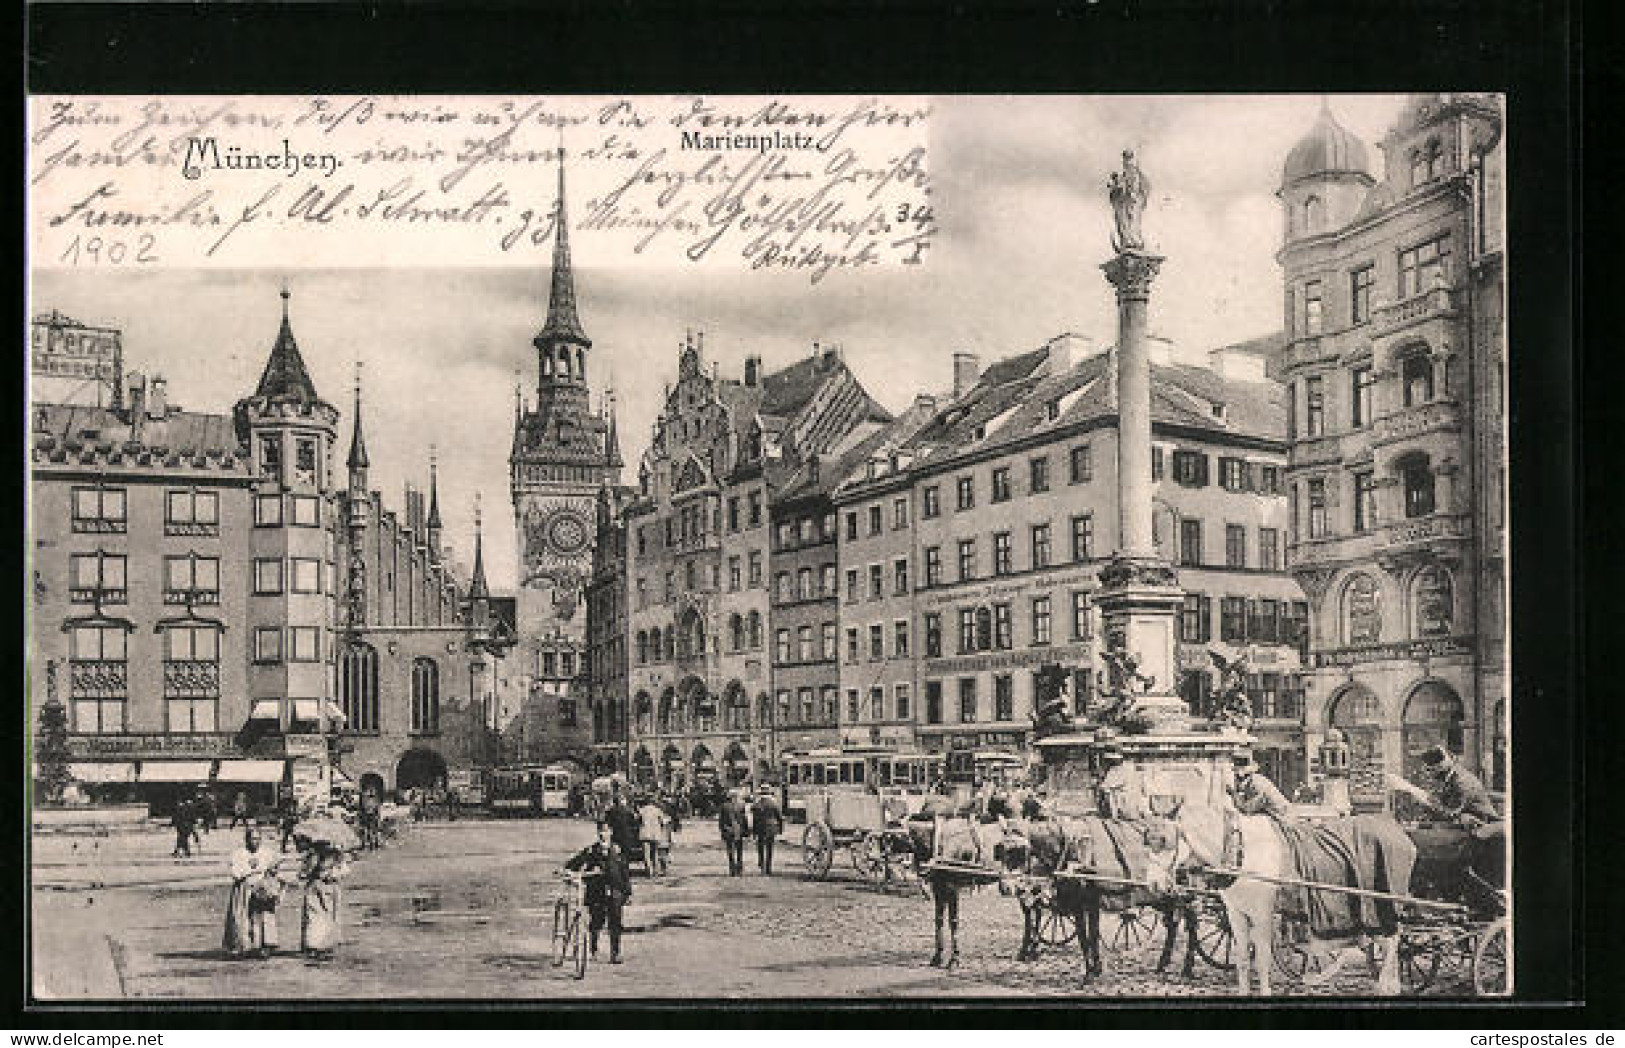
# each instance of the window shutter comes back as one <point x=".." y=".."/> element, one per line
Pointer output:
<point x="1201" y="469"/>
<point x="1207" y="618"/>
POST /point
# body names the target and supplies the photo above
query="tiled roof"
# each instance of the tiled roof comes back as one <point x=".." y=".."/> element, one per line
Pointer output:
<point x="187" y="434"/>
<point x="285" y="375"/>
<point x="1011" y="402"/>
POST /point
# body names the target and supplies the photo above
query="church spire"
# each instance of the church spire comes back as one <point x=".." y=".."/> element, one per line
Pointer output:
<point x="434" y="489"/>
<point x="612" y="439"/>
<point x="358" y="443"/>
<point x="477" y="588"/>
<point x="563" y="325"/>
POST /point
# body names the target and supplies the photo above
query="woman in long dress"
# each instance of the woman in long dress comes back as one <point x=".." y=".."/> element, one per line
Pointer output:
<point x="324" y="866"/>
<point x="251" y="908"/>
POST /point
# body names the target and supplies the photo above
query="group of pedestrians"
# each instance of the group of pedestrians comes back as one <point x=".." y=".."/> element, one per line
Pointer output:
<point x="259" y="880"/>
<point x="193" y="817"/>
<point x="762" y="819"/>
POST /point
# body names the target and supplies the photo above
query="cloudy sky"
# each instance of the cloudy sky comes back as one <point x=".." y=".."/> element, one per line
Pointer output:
<point x="1020" y="200"/>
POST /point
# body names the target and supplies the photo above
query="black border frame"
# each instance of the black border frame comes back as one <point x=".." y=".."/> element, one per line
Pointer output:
<point x="1529" y="50"/>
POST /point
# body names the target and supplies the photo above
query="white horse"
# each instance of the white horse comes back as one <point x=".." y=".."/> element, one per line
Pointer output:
<point x="1252" y="900"/>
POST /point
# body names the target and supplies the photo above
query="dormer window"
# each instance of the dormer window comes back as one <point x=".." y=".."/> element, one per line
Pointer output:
<point x="1427" y="163"/>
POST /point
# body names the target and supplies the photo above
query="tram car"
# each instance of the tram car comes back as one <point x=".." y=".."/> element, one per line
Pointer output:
<point x="529" y="790"/>
<point x="902" y="778"/>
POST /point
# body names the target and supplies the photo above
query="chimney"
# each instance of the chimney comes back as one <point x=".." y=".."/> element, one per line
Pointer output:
<point x="926" y="403"/>
<point x="753" y="370"/>
<point x="138" y="402"/>
<point x="1067" y="350"/>
<point x="967" y="369"/>
<point x="157" y="398"/>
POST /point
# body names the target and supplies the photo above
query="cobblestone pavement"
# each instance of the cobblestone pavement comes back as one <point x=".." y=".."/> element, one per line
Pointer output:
<point x="463" y="910"/>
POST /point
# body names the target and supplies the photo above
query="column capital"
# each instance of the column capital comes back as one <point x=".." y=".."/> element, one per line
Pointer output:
<point x="1132" y="272"/>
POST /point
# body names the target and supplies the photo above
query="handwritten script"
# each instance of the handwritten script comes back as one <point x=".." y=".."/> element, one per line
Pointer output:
<point x="810" y="185"/>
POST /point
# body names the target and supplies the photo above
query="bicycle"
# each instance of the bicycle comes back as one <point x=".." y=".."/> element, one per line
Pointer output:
<point x="569" y="923"/>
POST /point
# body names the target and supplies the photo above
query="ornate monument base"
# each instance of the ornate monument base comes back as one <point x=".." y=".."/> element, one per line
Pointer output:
<point x="1140" y="600"/>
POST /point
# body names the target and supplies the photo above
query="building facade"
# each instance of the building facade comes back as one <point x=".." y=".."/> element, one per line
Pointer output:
<point x="215" y="610"/>
<point x="1395" y="371"/>
<point x="700" y="560"/>
<point x="563" y="452"/>
<point x="607" y="630"/>
<point x="1012" y="487"/>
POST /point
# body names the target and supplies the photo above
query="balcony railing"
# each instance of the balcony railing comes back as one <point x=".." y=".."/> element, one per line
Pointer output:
<point x="1423" y="530"/>
<point x="191" y="596"/>
<point x="177" y="527"/>
<point x="1415" y="421"/>
<point x="98" y="595"/>
<point x="98" y="679"/>
<point x="99" y="526"/>
<point x="1391" y="317"/>
<point x="191" y="679"/>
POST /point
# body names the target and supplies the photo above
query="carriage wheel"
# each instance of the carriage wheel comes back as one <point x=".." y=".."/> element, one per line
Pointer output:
<point x="1135" y="927"/>
<point x="1054" y="927"/>
<point x="818" y="849"/>
<point x="1290" y="958"/>
<point x="869" y="858"/>
<point x="1214" y="938"/>
<point x="1492" y="977"/>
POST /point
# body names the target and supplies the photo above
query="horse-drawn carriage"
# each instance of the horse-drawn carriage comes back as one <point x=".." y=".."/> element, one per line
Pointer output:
<point x="1433" y="893"/>
<point x="868" y="825"/>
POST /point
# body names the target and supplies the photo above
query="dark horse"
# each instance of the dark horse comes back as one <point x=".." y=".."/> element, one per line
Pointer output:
<point x="961" y="838"/>
<point x="1111" y="848"/>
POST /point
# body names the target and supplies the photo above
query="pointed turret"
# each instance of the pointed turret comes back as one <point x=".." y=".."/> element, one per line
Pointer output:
<point x="478" y="591"/>
<point x="358" y="444"/>
<point x="563" y="325"/>
<point x="434" y="505"/>
<point x="612" y="439"/>
<point x="285" y="375"/>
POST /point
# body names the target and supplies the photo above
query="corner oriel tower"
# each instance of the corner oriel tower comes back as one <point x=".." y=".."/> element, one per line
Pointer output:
<point x="563" y="452"/>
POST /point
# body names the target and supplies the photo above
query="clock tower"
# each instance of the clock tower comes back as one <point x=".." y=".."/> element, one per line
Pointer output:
<point x="563" y="452"/>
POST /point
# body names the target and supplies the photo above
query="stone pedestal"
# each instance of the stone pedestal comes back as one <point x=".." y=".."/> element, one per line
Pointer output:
<point x="1140" y="602"/>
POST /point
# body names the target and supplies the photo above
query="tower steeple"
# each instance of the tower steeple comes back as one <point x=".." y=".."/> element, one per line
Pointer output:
<point x="612" y="440"/>
<point x="358" y="444"/>
<point x="561" y="344"/>
<point x="478" y="591"/>
<point x="434" y="505"/>
<point x="285" y="375"/>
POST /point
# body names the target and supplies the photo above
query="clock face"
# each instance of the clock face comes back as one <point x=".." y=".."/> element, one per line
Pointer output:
<point x="566" y="532"/>
<point x="558" y="533"/>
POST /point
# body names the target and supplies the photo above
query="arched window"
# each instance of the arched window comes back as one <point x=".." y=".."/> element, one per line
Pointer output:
<point x="1433" y="717"/>
<point x="1416" y="473"/>
<point x="1416" y="378"/>
<point x="644" y="711"/>
<point x="564" y="362"/>
<point x="670" y="643"/>
<point x="643" y="647"/>
<point x="1432" y="602"/>
<point x="665" y="720"/>
<point x="764" y="710"/>
<point x="1314" y="213"/>
<point x="736" y="632"/>
<point x="358" y="687"/>
<point x="755" y="630"/>
<point x="1357" y="714"/>
<point x="425" y="696"/>
<point x="1362" y="611"/>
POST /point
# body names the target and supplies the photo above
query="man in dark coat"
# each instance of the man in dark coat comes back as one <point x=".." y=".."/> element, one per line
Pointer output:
<point x="733" y="820"/>
<point x="609" y="887"/>
<point x="184" y="825"/>
<point x="623" y="825"/>
<point x="766" y="823"/>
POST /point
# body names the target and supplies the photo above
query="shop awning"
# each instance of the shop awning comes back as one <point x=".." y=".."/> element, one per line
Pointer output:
<point x="249" y="771"/>
<point x="175" y="771"/>
<point x="301" y="709"/>
<point x="265" y="709"/>
<point x="109" y="771"/>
